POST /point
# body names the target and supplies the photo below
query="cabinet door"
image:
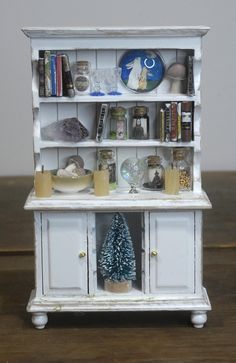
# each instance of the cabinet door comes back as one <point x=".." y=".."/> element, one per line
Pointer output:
<point x="64" y="249"/>
<point x="172" y="252"/>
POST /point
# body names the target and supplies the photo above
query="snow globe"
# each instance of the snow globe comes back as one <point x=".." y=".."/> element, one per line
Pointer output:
<point x="132" y="171"/>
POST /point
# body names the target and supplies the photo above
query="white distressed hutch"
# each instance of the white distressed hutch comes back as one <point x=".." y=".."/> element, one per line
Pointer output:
<point x="69" y="229"/>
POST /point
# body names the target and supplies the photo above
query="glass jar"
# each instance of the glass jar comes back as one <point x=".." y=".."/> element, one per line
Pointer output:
<point x="118" y="123"/>
<point x="156" y="172"/>
<point x="185" y="175"/>
<point x="106" y="160"/>
<point x="82" y="77"/>
<point x="140" y="125"/>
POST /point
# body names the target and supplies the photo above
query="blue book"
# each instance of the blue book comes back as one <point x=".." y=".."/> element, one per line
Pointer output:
<point x="53" y="74"/>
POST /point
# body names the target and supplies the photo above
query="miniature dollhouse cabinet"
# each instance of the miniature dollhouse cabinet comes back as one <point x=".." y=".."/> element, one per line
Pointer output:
<point x="166" y="229"/>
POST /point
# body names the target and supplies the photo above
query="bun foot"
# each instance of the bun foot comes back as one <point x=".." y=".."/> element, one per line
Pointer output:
<point x="198" y="318"/>
<point x="39" y="320"/>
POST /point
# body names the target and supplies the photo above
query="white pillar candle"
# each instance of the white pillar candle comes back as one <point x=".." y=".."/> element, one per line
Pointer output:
<point x="43" y="184"/>
<point x="172" y="181"/>
<point x="101" y="182"/>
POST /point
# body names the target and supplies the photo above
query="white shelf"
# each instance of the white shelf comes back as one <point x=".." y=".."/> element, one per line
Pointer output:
<point x="114" y="143"/>
<point x="125" y="97"/>
<point x="119" y="200"/>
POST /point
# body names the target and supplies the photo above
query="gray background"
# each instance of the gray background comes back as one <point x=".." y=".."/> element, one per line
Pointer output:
<point x="218" y="77"/>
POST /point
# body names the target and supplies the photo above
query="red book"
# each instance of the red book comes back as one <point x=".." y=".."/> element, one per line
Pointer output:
<point x="174" y="121"/>
<point x="59" y="76"/>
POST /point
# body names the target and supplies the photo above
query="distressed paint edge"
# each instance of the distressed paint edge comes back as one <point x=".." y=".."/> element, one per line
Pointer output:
<point x="157" y="303"/>
<point x="72" y="32"/>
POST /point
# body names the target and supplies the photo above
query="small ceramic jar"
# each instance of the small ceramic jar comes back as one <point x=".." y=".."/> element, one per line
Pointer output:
<point x="82" y="77"/>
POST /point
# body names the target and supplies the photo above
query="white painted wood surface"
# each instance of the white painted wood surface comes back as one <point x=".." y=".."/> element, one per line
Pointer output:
<point x="64" y="254"/>
<point x="119" y="200"/>
<point x="67" y="225"/>
<point x="120" y="302"/>
<point x="172" y="244"/>
<point x="154" y="96"/>
<point x="38" y="254"/>
<point x="198" y="251"/>
<point x="106" y="32"/>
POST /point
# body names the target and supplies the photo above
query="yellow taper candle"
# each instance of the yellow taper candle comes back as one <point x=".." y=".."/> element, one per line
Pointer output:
<point x="172" y="181"/>
<point x="101" y="182"/>
<point x="43" y="184"/>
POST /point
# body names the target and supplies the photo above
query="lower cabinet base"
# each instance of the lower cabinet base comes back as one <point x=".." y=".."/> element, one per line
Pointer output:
<point x="197" y="305"/>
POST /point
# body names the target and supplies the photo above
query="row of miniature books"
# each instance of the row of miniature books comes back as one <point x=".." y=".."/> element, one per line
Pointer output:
<point x="55" y="77"/>
<point x="176" y="122"/>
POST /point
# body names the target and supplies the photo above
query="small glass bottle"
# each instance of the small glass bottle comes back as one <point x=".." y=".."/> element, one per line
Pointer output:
<point x="140" y="125"/>
<point x="156" y="172"/>
<point x="82" y="77"/>
<point x="185" y="175"/>
<point x="106" y="160"/>
<point x="118" y="123"/>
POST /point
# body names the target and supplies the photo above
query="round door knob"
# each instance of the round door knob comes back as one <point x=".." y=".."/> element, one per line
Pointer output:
<point x="154" y="253"/>
<point x="82" y="254"/>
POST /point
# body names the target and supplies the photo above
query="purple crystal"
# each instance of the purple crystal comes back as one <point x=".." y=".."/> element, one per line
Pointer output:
<point x="69" y="129"/>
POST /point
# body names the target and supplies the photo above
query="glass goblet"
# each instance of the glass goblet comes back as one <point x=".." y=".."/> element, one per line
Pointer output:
<point x="112" y="79"/>
<point x="97" y="76"/>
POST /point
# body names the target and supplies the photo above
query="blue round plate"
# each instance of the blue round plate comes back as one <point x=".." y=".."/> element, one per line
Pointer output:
<point x="141" y="70"/>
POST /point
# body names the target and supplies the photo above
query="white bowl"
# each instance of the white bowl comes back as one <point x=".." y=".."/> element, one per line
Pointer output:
<point x="67" y="184"/>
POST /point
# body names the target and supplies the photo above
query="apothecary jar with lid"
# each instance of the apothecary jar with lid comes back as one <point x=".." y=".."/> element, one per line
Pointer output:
<point x="156" y="172"/>
<point x="106" y="160"/>
<point x="82" y="77"/>
<point x="180" y="162"/>
<point x="118" y="123"/>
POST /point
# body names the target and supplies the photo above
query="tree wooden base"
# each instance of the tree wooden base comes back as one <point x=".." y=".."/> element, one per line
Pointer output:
<point x="118" y="287"/>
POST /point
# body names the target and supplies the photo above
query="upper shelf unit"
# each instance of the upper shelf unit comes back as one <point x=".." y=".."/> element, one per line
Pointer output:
<point x="104" y="48"/>
<point x="153" y="81"/>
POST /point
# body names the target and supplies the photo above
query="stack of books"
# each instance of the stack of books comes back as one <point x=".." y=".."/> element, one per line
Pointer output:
<point x="176" y="122"/>
<point x="55" y="78"/>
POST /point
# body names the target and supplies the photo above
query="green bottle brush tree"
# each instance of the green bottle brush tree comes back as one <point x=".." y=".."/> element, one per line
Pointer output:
<point x="117" y="258"/>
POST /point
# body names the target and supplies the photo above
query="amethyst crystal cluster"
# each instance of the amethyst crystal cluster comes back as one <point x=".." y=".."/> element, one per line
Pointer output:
<point x="69" y="129"/>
